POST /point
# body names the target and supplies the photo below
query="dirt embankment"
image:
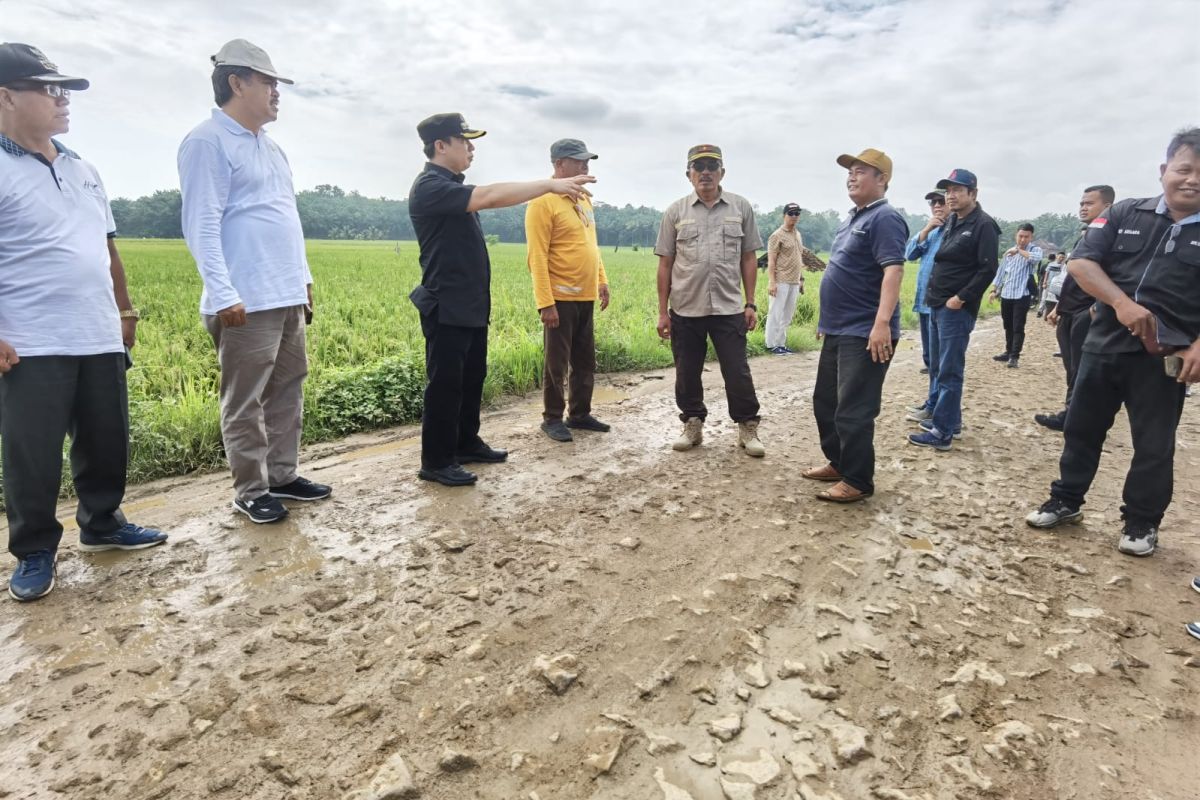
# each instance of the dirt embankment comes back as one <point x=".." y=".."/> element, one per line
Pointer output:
<point x="611" y="619"/>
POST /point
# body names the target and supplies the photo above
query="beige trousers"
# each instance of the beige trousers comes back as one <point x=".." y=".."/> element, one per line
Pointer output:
<point x="263" y="365"/>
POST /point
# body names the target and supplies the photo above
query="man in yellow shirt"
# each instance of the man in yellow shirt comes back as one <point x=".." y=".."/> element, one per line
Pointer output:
<point x="568" y="278"/>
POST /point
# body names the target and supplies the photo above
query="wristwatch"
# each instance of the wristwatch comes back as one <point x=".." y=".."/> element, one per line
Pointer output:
<point x="131" y="313"/>
<point x="751" y="305"/>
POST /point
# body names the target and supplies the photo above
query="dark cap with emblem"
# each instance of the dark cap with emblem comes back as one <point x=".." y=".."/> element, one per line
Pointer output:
<point x="791" y="207"/>
<point x="705" y="151"/>
<point x="959" y="177"/>
<point x="446" y="126"/>
<point x="23" y="62"/>
<point x="571" y="148"/>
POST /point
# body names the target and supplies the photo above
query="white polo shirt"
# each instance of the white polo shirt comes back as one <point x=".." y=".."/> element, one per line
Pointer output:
<point x="56" y="291"/>
<point x="240" y="219"/>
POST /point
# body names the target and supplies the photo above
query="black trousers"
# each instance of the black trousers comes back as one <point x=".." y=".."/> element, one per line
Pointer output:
<point x="1071" y="331"/>
<point x="1153" y="402"/>
<point x="570" y="361"/>
<point x="846" y="401"/>
<point x="455" y="366"/>
<point x="1014" y="313"/>
<point x="689" y="345"/>
<point x="44" y="399"/>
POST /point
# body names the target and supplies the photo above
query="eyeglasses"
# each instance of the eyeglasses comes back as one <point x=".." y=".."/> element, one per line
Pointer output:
<point x="52" y="89"/>
<point x="706" y="165"/>
<point x="792" y="213"/>
<point x="936" y="203"/>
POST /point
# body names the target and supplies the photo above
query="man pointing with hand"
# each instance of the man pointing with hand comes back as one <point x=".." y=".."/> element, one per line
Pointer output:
<point x="454" y="298"/>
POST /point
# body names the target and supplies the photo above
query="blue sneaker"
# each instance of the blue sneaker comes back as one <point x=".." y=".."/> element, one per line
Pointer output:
<point x="33" y="577"/>
<point x="127" y="537"/>
<point x="1196" y="584"/>
<point x="927" y="426"/>
<point x="930" y="439"/>
<point x="1194" y="629"/>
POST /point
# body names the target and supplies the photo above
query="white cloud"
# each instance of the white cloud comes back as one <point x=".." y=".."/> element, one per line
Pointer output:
<point x="1038" y="98"/>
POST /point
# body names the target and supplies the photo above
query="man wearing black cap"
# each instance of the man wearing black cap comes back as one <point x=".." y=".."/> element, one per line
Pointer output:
<point x="785" y="279"/>
<point x="706" y="267"/>
<point x="568" y="278"/>
<point x="65" y="321"/>
<point x="964" y="266"/>
<point x="454" y="298"/>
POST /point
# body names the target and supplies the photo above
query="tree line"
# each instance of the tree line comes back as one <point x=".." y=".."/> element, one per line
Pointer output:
<point x="329" y="212"/>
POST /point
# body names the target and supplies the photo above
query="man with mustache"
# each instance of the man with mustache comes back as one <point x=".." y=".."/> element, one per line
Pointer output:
<point x="65" y="321"/>
<point x="706" y="267"/>
<point x="242" y="227"/>
<point x="1140" y="260"/>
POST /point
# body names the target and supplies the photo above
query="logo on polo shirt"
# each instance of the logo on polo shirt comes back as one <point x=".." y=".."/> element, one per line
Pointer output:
<point x="1129" y="231"/>
<point x="967" y="233"/>
<point x="91" y="185"/>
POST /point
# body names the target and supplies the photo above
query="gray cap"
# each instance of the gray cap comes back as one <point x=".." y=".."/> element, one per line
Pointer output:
<point x="240" y="53"/>
<point x="570" y="148"/>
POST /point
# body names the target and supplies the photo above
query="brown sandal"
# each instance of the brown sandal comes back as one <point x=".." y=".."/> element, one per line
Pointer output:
<point x="825" y="473"/>
<point x="843" y="492"/>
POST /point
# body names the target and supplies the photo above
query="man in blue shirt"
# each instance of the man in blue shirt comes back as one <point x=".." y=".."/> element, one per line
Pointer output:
<point x="924" y="245"/>
<point x="242" y="227"/>
<point x="1011" y="285"/>
<point x="860" y="324"/>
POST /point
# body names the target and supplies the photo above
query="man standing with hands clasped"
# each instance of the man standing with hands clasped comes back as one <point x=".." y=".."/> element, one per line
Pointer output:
<point x="568" y="277"/>
<point x="241" y="224"/>
<point x="455" y="298"/>
<point x="1011" y="285"/>
<point x="860" y="325"/>
<point x="785" y="279"/>
<point x="706" y="260"/>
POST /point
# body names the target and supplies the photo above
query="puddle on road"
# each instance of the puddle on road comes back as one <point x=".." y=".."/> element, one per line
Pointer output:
<point x="603" y="395"/>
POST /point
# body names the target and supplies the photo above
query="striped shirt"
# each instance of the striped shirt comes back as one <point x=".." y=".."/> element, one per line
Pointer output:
<point x="1012" y="279"/>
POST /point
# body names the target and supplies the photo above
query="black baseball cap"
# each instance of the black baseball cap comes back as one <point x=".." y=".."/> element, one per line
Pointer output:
<point x="791" y="207"/>
<point x="23" y="62"/>
<point x="445" y="126"/>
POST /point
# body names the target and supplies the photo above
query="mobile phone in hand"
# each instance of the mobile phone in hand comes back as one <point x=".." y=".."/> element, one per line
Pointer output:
<point x="308" y="314"/>
<point x="1173" y="365"/>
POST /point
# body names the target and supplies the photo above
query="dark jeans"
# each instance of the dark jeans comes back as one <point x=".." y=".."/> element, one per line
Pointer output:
<point x="43" y="400"/>
<point x="455" y="364"/>
<point x="571" y="345"/>
<point x="925" y="323"/>
<point x="1153" y="401"/>
<point x="846" y="401"/>
<point x="1071" y="331"/>
<point x="949" y="334"/>
<point x="1014" y="313"/>
<point x="689" y="345"/>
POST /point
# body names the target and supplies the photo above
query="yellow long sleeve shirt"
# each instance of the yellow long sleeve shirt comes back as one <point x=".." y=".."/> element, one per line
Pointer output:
<point x="564" y="258"/>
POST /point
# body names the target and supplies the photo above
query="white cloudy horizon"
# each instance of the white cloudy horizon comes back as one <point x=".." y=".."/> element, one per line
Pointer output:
<point x="1040" y="99"/>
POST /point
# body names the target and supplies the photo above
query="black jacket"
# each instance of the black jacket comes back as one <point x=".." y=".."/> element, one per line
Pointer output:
<point x="966" y="261"/>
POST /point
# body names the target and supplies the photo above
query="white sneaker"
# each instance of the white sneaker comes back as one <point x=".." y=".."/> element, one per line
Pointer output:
<point x="748" y="439"/>
<point x="693" y="434"/>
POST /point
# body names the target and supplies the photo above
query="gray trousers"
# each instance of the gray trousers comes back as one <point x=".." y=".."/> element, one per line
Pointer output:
<point x="42" y="401"/>
<point x="263" y="366"/>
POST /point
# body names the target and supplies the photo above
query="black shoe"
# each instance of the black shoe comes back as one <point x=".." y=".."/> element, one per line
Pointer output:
<point x="1053" y="512"/>
<point x="481" y="455"/>
<point x="1013" y="362"/>
<point x="263" y="508"/>
<point x="589" y="423"/>
<point x="453" y="475"/>
<point x="557" y="431"/>
<point x="1052" y="421"/>
<point x="301" y="489"/>
<point x="1001" y="357"/>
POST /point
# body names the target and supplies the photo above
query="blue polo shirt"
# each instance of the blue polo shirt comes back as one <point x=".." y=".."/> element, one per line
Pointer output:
<point x="870" y="240"/>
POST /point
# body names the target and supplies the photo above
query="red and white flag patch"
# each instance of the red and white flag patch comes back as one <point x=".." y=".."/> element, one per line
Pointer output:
<point x="1098" y="222"/>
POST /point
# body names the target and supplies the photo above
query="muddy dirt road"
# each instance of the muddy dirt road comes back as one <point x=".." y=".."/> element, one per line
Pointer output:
<point x="611" y="619"/>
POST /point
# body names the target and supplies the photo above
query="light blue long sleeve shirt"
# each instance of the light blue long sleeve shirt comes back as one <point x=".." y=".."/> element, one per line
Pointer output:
<point x="926" y="251"/>
<point x="1012" y="279"/>
<point x="240" y="219"/>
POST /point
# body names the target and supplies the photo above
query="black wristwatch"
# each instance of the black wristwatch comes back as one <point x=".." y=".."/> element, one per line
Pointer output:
<point x="751" y="305"/>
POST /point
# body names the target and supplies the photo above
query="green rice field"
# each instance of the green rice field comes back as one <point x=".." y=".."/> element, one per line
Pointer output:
<point x="365" y="347"/>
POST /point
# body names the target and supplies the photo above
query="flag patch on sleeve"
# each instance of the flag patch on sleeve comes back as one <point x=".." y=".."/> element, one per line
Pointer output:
<point x="1098" y="222"/>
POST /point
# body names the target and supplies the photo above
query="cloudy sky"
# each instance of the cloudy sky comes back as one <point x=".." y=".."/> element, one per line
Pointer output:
<point x="1039" y="97"/>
